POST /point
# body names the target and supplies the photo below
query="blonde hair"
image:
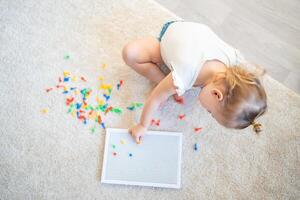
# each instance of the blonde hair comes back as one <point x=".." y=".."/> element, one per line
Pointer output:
<point x="244" y="98"/>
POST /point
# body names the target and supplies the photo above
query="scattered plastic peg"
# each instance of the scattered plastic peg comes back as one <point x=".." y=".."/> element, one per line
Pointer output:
<point x="109" y="91"/>
<point x="104" y="107"/>
<point x="157" y="122"/>
<point x="59" y="80"/>
<point x="73" y="113"/>
<point x="103" y="66"/>
<point x="120" y="84"/>
<point x="122" y="141"/>
<point x="49" y="89"/>
<point x="197" y="130"/>
<point x="108" y="109"/>
<point x="60" y="86"/>
<point x="66" y="57"/>
<point x="152" y="121"/>
<point x="114" y="153"/>
<point x="66" y="79"/>
<point x="103" y="125"/>
<point x="106" y="97"/>
<point x="65" y="88"/>
<point x="130" y="154"/>
<point x="74" y="79"/>
<point x="181" y="117"/>
<point x="138" y="104"/>
<point x="81" y="117"/>
<point x="78" y="105"/>
<point x="179" y="100"/>
<point x="195" y="146"/>
<point x="83" y="79"/>
<point x="66" y="73"/>
<point x="105" y="86"/>
<point x="134" y="105"/>
<point x="69" y="101"/>
<point x="131" y="108"/>
<point x="90" y="114"/>
<point x="113" y="146"/>
<point x="69" y="110"/>
<point x="117" y="110"/>
<point x="100" y="78"/>
<point x="44" y="111"/>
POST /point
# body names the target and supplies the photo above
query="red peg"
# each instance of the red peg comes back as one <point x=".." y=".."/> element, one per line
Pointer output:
<point x="197" y="130"/>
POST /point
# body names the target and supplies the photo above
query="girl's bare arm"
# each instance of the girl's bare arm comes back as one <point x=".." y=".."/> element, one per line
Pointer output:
<point x="159" y="94"/>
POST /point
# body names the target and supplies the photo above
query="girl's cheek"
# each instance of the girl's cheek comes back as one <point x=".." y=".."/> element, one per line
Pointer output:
<point x="200" y="102"/>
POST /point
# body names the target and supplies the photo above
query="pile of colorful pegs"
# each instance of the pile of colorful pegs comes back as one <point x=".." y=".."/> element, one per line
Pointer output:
<point x="79" y="103"/>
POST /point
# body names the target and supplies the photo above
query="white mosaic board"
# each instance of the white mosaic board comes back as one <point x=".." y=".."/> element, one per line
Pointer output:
<point x="155" y="162"/>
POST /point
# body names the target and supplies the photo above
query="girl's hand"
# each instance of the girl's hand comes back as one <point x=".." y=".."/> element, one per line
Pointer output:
<point x="137" y="132"/>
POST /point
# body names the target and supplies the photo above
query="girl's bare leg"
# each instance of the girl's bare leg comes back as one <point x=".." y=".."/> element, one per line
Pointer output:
<point x="143" y="55"/>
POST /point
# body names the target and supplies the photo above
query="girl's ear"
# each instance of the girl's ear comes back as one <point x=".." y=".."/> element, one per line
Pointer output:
<point x="217" y="94"/>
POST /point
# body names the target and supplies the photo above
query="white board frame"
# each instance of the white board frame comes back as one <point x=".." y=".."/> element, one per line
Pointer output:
<point x="176" y="186"/>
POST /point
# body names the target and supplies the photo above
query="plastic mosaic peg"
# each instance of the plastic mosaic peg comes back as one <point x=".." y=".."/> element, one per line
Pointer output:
<point x="195" y="146"/>
<point x="155" y="122"/>
<point x="67" y="57"/>
<point x="131" y="108"/>
<point x="44" y="111"/>
<point x="134" y="105"/>
<point x="103" y="125"/>
<point x="83" y="78"/>
<point x="120" y="84"/>
<point x="179" y="101"/>
<point x="49" y="89"/>
<point x="197" y="130"/>
<point x="122" y="141"/>
<point x="181" y="117"/>
<point x="107" y="97"/>
<point x="66" y="73"/>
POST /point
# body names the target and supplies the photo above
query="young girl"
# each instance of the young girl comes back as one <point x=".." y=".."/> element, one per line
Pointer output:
<point x="186" y="55"/>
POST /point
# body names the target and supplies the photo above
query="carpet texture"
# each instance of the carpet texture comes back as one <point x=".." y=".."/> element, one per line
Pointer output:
<point x="53" y="156"/>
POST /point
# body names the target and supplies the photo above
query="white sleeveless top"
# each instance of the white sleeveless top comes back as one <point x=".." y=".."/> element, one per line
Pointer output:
<point x="186" y="46"/>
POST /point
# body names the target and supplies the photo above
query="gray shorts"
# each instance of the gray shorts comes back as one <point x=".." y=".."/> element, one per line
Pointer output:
<point x="164" y="69"/>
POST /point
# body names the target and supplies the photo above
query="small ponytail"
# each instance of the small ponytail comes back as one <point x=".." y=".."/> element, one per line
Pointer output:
<point x="256" y="127"/>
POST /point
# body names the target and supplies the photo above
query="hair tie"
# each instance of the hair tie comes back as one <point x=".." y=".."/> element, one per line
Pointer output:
<point x="256" y="126"/>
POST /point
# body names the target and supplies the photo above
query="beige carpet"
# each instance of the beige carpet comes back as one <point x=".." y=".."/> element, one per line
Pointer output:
<point x="53" y="156"/>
